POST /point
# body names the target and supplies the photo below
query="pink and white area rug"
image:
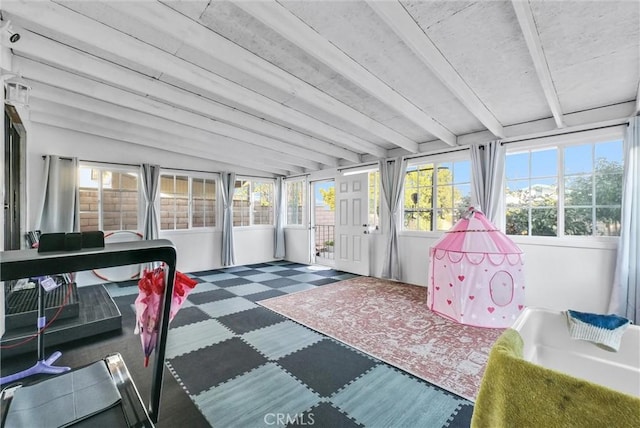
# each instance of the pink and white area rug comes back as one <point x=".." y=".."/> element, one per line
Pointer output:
<point x="390" y="321"/>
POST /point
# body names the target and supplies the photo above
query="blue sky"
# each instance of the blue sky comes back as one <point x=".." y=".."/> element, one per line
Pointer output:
<point x="544" y="163"/>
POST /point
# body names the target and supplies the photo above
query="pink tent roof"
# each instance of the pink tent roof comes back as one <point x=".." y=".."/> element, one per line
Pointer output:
<point x="474" y="233"/>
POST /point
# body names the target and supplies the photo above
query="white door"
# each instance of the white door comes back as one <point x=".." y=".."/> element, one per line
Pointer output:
<point x="352" y="233"/>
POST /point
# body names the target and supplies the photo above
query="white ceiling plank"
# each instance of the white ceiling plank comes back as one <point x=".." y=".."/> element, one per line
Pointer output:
<point x="401" y="22"/>
<point x="279" y="19"/>
<point x="163" y="18"/>
<point x="55" y="52"/>
<point x="579" y="121"/>
<point x="318" y="151"/>
<point x="89" y="123"/>
<point x="79" y="27"/>
<point x="213" y="141"/>
<point x="638" y="99"/>
<point x="532" y="38"/>
<point x="87" y="128"/>
<point x="134" y="132"/>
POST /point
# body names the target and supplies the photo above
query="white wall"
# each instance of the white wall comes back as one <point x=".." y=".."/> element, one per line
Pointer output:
<point x="197" y="250"/>
<point x="296" y="241"/>
<point x="558" y="275"/>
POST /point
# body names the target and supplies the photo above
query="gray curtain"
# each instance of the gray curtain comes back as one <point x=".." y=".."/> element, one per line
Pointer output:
<point x="280" y="216"/>
<point x="228" y="181"/>
<point x="487" y="177"/>
<point x="392" y="181"/>
<point x="59" y="207"/>
<point x="625" y="296"/>
<point x="150" y="181"/>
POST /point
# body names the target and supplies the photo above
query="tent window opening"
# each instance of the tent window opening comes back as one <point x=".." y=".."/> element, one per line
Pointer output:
<point x="571" y="190"/>
<point x="109" y="198"/>
<point x="436" y="194"/>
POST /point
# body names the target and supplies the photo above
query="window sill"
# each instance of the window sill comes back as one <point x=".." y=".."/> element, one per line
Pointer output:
<point x="417" y="234"/>
<point x="256" y="227"/>
<point x="193" y="230"/>
<point x="593" y="242"/>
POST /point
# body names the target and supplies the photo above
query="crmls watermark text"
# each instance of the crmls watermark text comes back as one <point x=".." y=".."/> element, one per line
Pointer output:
<point x="284" y="419"/>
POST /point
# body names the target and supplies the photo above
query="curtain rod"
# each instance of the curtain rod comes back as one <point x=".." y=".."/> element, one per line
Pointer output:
<point x="421" y="155"/>
<point x="563" y="133"/>
<point x="296" y="176"/>
<point x="162" y="167"/>
<point x="92" y="161"/>
<point x="361" y="165"/>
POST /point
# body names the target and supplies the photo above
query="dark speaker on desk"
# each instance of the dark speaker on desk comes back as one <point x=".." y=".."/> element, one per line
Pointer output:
<point x="73" y="241"/>
<point x="51" y="242"/>
<point x="93" y="239"/>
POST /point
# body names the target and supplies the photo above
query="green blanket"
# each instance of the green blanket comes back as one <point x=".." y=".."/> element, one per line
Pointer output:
<point x="517" y="393"/>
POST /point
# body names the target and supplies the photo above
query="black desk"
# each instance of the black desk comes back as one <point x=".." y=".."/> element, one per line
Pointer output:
<point x="29" y="263"/>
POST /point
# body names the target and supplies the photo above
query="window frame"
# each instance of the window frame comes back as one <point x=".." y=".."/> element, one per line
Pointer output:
<point x="100" y="166"/>
<point x="191" y="175"/>
<point x="375" y="228"/>
<point x="560" y="142"/>
<point x="305" y="186"/>
<point x="436" y="158"/>
<point x="253" y="180"/>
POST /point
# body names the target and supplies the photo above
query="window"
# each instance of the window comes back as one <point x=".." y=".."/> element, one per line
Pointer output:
<point x="565" y="191"/>
<point x="295" y="202"/>
<point x="436" y="194"/>
<point x="531" y="193"/>
<point x="109" y="198"/>
<point x="253" y="203"/>
<point x="203" y="194"/>
<point x="374" y="200"/>
<point x="187" y="202"/>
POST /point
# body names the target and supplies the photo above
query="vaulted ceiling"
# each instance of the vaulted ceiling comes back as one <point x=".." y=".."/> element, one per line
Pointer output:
<point x="286" y="87"/>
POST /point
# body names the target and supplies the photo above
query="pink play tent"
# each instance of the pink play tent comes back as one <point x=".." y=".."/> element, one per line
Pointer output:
<point x="476" y="274"/>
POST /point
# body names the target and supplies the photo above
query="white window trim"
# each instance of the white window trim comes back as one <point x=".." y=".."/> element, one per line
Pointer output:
<point x="191" y="175"/>
<point x="456" y="156"/>
<point x="305" y="192"/>
<point x="560" y="142"/>
<point x="251" y="225"/>
<point x="121" y="169"/>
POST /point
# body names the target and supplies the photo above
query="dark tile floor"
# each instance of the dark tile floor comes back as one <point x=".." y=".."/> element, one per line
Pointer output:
<point x="246" y="366"/>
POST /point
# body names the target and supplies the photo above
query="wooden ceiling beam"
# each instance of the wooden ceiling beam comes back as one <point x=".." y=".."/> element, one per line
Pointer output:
<point x="163" y="18"/>
<point x="77" y="26"/>
<point x="93" y="124"/>
<point x="52" y="76"/>
<point x="405" y="27"/>
<point x="532" y="39"/>
<point x="177" y="130"/>
<point x="289" y="26"/>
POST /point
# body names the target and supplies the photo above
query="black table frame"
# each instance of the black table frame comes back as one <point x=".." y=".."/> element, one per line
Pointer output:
<point x="28" y="263"/>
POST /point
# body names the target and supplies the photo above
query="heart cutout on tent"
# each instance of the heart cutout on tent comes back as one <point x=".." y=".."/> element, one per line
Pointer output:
<point x="437" y="288"/>
<point x="472" y="297"/>
<point x="461" y="277"/>
<point x="491" y="309"/>
<point x="448" y="302"/>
